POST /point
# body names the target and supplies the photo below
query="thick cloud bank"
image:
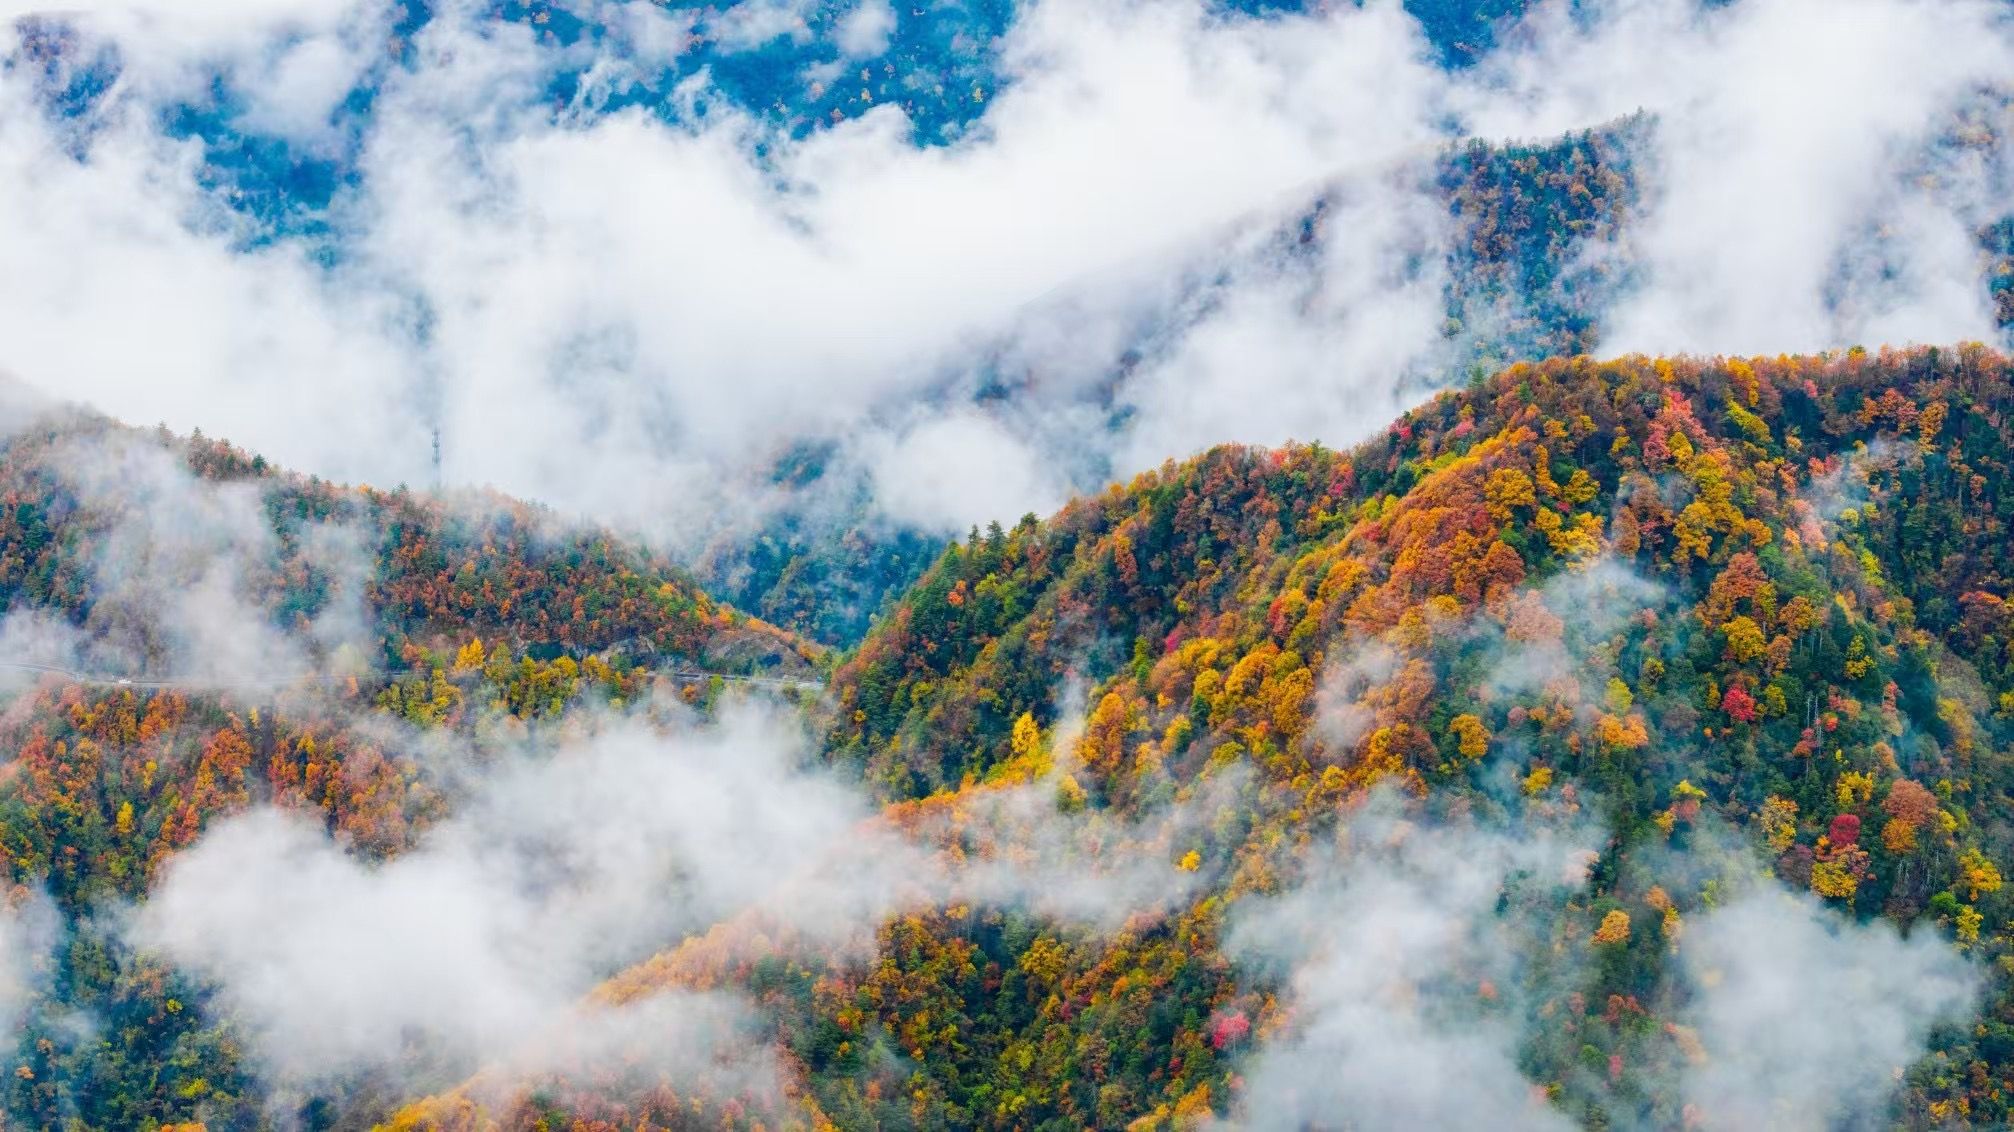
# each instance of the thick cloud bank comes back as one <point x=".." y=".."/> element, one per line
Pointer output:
<point x="1809" y="1021"/>
<point x="564" y="865"/>
<point x="178" y="569"/>
<point x="632" y="314"/>
<point x="1403" y="919"/>
<point x="1802" y="1018"/>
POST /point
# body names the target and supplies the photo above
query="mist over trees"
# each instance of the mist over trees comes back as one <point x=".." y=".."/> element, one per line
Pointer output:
<point x="1165" y="564"/>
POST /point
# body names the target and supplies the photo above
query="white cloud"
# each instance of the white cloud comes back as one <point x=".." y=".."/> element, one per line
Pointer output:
<point x="190" y="23"/>
<point x="295" y="53"/>
<point x="1388" y="945"/>
<point x="961" y="469"/>
<point x="555" y="872"/>
<point x="654" y="35"/>
<point x="1808" y="1020"/>
<point x="566" y="862"/>
<point x="865" y="30"/>
<point x="630" y="319"/>
<point x="300" y="87"/>
<point x="1777" y="150"/>
<point x="649" y="293"/>
<point x="112" y="299"/>
<point x="29" y="933"/>
<point x="1329" y="347"/>
<point x="755" y="23"/>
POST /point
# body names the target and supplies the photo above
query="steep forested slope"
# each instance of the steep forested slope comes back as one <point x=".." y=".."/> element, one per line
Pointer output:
<point x="1730" y="611"/>
<point x="1267" y="545"/>
<point x="1769" y="591"/>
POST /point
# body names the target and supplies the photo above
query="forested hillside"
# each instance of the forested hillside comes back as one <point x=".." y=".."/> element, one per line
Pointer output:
<point x="1718" y="611"/>
<point x="260" y="638"/>
<point x="1031" y="565"/>
<point x="107" y="529"/>
<point x="1744" y="614"/>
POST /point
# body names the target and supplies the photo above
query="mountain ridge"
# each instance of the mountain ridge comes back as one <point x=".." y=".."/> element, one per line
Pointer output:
<point x="1714" y="607"/>
<point x="1377" y="558"/>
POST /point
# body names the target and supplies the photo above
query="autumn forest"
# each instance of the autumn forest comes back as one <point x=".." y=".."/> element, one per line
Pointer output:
<point x="1146" y="565"/>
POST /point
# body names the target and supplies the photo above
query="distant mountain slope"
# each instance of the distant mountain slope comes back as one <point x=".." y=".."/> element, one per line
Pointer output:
<point x="111" y="532"/>
<point x="1525" y="277"/>
<point x="1520" y="284"/>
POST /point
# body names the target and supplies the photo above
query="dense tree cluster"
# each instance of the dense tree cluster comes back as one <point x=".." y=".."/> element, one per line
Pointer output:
<point x="1771" y="591"/>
